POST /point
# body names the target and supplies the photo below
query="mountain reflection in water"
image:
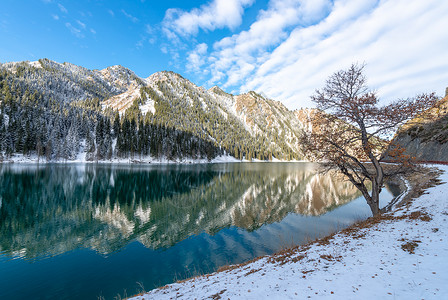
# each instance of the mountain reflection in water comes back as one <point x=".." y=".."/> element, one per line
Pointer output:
<point x="51" y="209"/>
<point x="83" y="231"/>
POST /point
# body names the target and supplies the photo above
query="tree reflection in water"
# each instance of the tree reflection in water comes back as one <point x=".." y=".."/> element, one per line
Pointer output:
<point x="51" y="209"/>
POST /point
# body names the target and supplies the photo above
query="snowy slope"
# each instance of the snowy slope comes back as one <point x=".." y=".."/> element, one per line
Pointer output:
<point x="68" y="82"/>
<point x="250" y="123"/>
<point x="376" y="262"/>
<point x="258" y="117"/>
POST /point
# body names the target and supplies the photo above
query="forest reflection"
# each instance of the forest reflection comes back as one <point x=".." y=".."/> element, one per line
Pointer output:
<point x="47" y="210"/>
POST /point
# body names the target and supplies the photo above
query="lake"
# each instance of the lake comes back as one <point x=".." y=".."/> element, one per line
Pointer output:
<point x="86" y="231"/>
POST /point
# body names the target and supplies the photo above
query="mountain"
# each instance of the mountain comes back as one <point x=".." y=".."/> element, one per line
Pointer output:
<point x="114" y="113"/>
<point x="68" y="82"/>
<point x="426" y="136"/>
<point x="237" y="123"/>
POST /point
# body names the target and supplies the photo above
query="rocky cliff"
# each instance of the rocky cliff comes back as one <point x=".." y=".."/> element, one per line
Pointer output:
<point x="426" y="136"/>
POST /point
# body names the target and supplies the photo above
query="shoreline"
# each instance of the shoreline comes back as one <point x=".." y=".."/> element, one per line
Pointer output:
<point x="311" y="262"/>
<point x="143" y="161"/>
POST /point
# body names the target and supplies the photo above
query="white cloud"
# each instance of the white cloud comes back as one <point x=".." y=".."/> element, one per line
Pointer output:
<point x="242" y="52"/>
<point x="295" y="45"/>
<point x="55" y="17"/>
<point x="111" y="12"/>
<point x="81" y="24"/>
<point x="79" y="29"/>
<point x="129" y="16"/>
<point x="62" y="8"/>
<point x="216" y="14"/>
<point x="400" y="41"/>
<point x="75" y="31"/>
<point x="149" y="29"/>
<point x="195" y="59"/>
<point x="147" y="37"/>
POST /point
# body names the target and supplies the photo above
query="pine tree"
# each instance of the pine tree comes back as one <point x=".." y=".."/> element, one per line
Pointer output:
<point x="90" y="147"/>
<point x="116" y="125"/>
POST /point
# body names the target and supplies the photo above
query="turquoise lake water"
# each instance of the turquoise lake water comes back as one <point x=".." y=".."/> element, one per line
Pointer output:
<point x="85" y="231"/>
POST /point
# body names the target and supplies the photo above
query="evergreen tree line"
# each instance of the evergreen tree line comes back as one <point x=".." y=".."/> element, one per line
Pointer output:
<point x="209" y="124"/>
<point x="40" y="116"/>
<point x="53" y="130"/>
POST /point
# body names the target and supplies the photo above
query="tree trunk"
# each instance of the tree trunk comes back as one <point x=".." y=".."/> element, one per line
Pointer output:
<point x="375" y="199"/>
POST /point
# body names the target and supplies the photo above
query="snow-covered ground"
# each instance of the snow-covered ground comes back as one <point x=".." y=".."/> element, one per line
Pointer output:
<point x="404" y="256"/>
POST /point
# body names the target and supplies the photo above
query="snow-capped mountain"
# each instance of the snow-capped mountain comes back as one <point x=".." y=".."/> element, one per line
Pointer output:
<point x="248" y="126"/>
<point x="217" y="115"/>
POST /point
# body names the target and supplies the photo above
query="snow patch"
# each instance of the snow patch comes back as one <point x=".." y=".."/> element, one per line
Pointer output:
<point x="35" y="64"/>
<point x="148" y="107"/>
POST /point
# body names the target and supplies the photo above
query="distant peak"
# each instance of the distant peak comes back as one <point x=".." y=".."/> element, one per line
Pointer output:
<point x="253" y="94"/>
<point x="46" y="60"/>
<point x="118" y="72"/>
<point x="118" y="68"/>
<point x="166" y="75"/>
<point x="159" y="76"/>
<point x="217" y="90"/>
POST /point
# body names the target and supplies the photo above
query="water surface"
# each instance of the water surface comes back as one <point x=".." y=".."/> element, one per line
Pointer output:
<point x="83" y="231"/>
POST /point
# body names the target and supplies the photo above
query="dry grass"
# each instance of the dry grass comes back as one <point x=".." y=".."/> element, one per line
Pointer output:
<point x="252" y="271"/>
<point x="228" y="268"/>
<point x="330" y="257"/>
<point x="287" y="255"/>
<point x="410" y="246"/>
<point x="218" y="295"/>
<point x="420" y="215"/>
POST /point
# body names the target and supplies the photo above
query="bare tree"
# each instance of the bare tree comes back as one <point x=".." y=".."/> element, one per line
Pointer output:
<point x="346" y="127"/>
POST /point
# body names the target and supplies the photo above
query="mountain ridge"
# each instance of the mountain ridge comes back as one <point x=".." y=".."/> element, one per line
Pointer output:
<point x="246" y="126"/>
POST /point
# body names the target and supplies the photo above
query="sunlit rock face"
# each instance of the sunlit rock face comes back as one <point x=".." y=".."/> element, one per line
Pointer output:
<point x="426" y="136"/>
<point x="53" y="209"/>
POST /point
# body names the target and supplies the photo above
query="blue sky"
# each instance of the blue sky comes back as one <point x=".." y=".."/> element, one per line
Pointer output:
<point x="282" y="48"/>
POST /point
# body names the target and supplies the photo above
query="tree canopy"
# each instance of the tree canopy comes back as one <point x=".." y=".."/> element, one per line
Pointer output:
<point x="347" y="126"/>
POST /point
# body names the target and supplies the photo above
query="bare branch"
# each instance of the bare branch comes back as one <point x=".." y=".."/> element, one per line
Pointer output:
<point x="345" y="129"/>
